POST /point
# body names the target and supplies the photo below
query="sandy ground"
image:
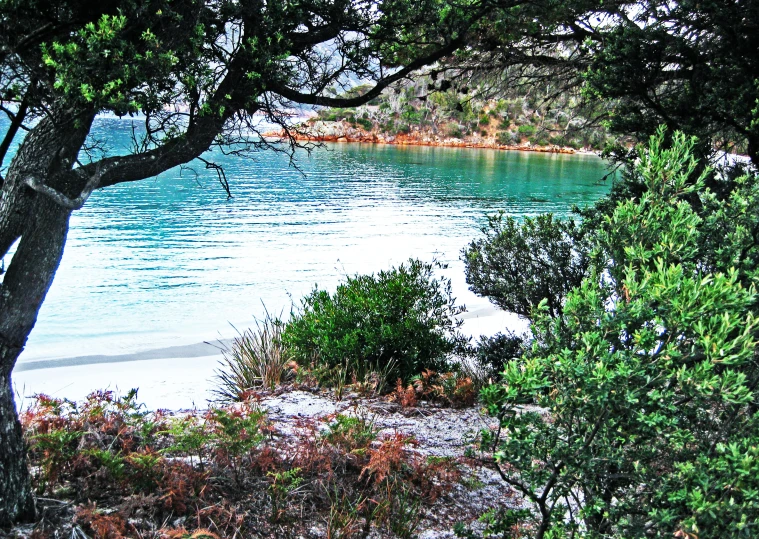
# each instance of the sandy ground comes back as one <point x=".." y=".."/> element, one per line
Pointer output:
<point x="170" y="383"/>
<point x="175" y="378"/>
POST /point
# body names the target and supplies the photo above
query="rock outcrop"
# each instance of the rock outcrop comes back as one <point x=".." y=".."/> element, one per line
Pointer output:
<point x="322" y="131"/>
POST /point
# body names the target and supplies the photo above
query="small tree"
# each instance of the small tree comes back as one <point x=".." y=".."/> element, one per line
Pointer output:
<point x="646" y="419"/>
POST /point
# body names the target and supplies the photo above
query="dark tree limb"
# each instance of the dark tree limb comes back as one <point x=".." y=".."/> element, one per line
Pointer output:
<point x="210" y="165"/>
<point x="315" y="99"/>
<point x="61" y="199"/>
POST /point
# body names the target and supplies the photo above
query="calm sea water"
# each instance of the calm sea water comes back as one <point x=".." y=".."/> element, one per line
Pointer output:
<point x="171" y="261"/>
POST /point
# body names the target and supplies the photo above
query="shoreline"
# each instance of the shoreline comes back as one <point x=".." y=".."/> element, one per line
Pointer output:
<point x="342" y="132"/>
<point x="175" y="384"/>
<point x="201" y="349"/>
<point x="176" y="377"/>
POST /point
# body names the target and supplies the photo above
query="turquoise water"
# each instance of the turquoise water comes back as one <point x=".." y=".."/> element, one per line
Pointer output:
<point x="171" y="261"/>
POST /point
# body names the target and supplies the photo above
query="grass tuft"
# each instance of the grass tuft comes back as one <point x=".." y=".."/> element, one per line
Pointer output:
<point x="256" y="358"/>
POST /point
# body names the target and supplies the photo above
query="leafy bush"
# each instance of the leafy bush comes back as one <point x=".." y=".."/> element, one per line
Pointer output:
<point x="411" y="115"/>
<point x="506" y="138"/>
<point x="397" y="322"/>
<point x="557" y="140"/>
<point x="353" y="434"/>
<point x="332" y="115"/>
<point x="454" y="131"/>
<point x="596" y="140"/>
<point x="492" y="353"/>
<point x="526" y="130"/>
<point x="647" y="384"/>
<point x="517" y="266"/>
<point x="539" y="140"/>
<point x="366" y="123"/>
<point x="515" y="108"/>
<point x="256" y="358"/>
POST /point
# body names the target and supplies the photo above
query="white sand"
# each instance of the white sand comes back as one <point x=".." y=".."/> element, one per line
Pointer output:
<point x="170" y="382"/>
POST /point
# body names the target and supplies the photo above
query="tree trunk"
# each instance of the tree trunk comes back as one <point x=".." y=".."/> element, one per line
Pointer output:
<point x="47" y="153"/>
<point x="16" y="499"/>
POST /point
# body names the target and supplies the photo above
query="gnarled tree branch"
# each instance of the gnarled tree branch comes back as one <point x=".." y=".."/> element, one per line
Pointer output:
<point x="61" y="199"/>
<point x="314" y="99"/>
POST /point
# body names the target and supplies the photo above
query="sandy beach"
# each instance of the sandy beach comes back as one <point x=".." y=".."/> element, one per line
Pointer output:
<point x="174" y="378"/>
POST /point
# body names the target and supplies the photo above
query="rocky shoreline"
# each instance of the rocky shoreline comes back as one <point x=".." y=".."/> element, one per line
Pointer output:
<point x="342" y="131"/>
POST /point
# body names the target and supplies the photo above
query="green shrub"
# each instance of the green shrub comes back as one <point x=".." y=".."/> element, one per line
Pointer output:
<point x="515" y="108"/>
<point x="365" y="123"/>
<point x="402" y="128"/>
<point x="352" y="433"/>
<point x="506" y="138"/>
<point x="646" y="385"/>
<point x="411" y="115"/>
<point x="526" y="130"/>
<point x="517" y="266"/>
<point x="557" y="140"/>
<point x="539" y="140"/>
<point x="454" y="131"/>
<point x="596" y="140"/>
<point x="332" y="115"/>
<point x="397" y="323"/>
<point x="492" y="353"/>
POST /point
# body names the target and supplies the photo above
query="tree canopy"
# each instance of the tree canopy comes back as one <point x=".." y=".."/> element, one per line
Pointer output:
<point x="691" y="65"/>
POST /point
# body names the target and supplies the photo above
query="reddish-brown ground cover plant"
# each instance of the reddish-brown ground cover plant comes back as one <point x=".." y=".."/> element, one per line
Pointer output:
<point x="118" y="471"/>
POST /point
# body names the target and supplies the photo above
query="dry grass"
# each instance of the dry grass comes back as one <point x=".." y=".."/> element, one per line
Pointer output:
<point x="448" y="389"/>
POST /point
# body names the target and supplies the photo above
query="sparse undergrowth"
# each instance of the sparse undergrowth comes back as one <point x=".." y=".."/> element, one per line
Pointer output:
<point x="119" y="471"/>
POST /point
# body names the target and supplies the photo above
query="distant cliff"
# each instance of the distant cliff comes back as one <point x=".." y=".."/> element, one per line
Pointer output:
<point x="523" y="118"/>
